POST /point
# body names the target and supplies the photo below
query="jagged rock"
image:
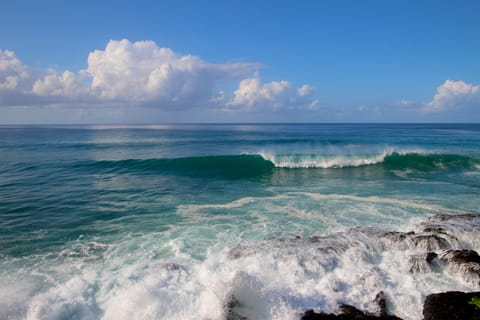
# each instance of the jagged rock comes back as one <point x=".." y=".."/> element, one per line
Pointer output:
<point x="430" y="256"/>
<point x="465" y="262"/>
<point x="381" y="303"/>
<point x="430" y="242"/>
<point x="451" y="305"/>
<point x="348" y="312"/>
<point x="461" y="256"/>
<point x="434" y="229"/>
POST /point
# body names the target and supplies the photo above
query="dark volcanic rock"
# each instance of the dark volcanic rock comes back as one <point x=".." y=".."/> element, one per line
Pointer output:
<point x="434" y="229"/>
<point x="464" y="262"/>
<point x="430" y="242"/>
<point x="451" y="305"/>
<point x="461" y="256"/>
<point x="381" y="303"/>
<point x="347" y="312"/>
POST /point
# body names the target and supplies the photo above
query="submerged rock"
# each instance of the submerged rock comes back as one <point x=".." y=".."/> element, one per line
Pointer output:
<point x="445" y="217"/>
<point x="230" y="309"/>
<point x="421" y="262"/>
<point x="451" y="305"/>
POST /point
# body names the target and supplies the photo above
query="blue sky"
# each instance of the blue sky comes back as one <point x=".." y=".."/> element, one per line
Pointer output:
<point x="234" y="61"/>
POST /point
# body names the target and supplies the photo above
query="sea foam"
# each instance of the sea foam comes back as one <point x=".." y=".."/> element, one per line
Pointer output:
<point x="268" y="279"/>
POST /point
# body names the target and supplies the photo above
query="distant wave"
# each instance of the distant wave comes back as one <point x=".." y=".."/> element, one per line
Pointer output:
<point x="256" y="164"/>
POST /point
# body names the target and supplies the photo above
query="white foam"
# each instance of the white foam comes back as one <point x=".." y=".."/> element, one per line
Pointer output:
<point x="375" y="199"/>
<point x="339" y="159"/>
<point x="158" y="276"/>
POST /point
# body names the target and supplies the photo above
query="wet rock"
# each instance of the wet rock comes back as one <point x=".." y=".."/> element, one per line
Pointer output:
<point x="451" y="305"/>
<point x="312" y="315"/>
<point x="398" y="236"/>
<point x="464" y="262"/>
<point x="381" y="303"/>
<point x="430" y="256"/>
<point x="430" y="242"/>
<point x="229" y="307"/>
<point x="348" y="312"/>
<point x="460" y="256"/>
<point x="434" y="229"/>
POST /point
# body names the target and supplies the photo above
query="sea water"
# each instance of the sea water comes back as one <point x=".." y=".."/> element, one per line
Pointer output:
<point x="190" y="221"/>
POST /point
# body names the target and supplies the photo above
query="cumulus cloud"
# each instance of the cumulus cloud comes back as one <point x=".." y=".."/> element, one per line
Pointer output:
<point x="66" y="84"/>
<point x="453" y="94"/>
<point x="143" y="72"/>
<point x="12" y="71"/>
<point x="252" y="94"/>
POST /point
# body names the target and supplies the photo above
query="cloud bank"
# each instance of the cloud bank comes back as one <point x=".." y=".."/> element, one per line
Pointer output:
<point x="142" y="73"/>
<point x="128" y="76"/>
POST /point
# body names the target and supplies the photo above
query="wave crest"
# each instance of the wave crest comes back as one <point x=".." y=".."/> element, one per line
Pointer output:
<point x="262" y="163"/>
<point x="334" y="161"/>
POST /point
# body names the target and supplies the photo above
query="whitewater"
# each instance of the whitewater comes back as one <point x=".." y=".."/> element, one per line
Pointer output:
<point x="255" y="221"/>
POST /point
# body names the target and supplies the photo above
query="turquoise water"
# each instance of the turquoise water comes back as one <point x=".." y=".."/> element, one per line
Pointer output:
<point x="123" y="222"/>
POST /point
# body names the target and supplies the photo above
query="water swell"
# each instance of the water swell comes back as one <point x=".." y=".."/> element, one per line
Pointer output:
<point x="257" y="164"/>
<point x="235" y="165"/>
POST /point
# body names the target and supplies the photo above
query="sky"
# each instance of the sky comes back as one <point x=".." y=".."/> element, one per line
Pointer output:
<point x="239" y="61"/>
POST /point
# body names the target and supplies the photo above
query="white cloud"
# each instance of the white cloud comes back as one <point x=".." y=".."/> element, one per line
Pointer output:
<point x="12" y="71"/>
<point x="143" y="72"/>
<point x="66" y="84"/>
<point x="453" y="94"/>
<point x="305" y="90"/>
<point x="405" y="103"/>
<point x="253" y="94"/>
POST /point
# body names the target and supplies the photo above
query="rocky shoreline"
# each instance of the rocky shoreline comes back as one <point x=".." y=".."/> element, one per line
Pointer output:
<point x="451" y="305"/>
<point x="436" y="241"/>
<point x="438" y="306"/>
<point x="437" y="249"/>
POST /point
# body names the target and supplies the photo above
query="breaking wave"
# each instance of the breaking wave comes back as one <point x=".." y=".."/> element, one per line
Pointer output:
<point x="257" y="164"/>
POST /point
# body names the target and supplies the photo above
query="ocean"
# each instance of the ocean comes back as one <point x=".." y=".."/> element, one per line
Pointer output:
<point x="217" y="221"/>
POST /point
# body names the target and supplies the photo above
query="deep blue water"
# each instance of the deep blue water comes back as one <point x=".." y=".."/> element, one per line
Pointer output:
<point x="91" y="215"/>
